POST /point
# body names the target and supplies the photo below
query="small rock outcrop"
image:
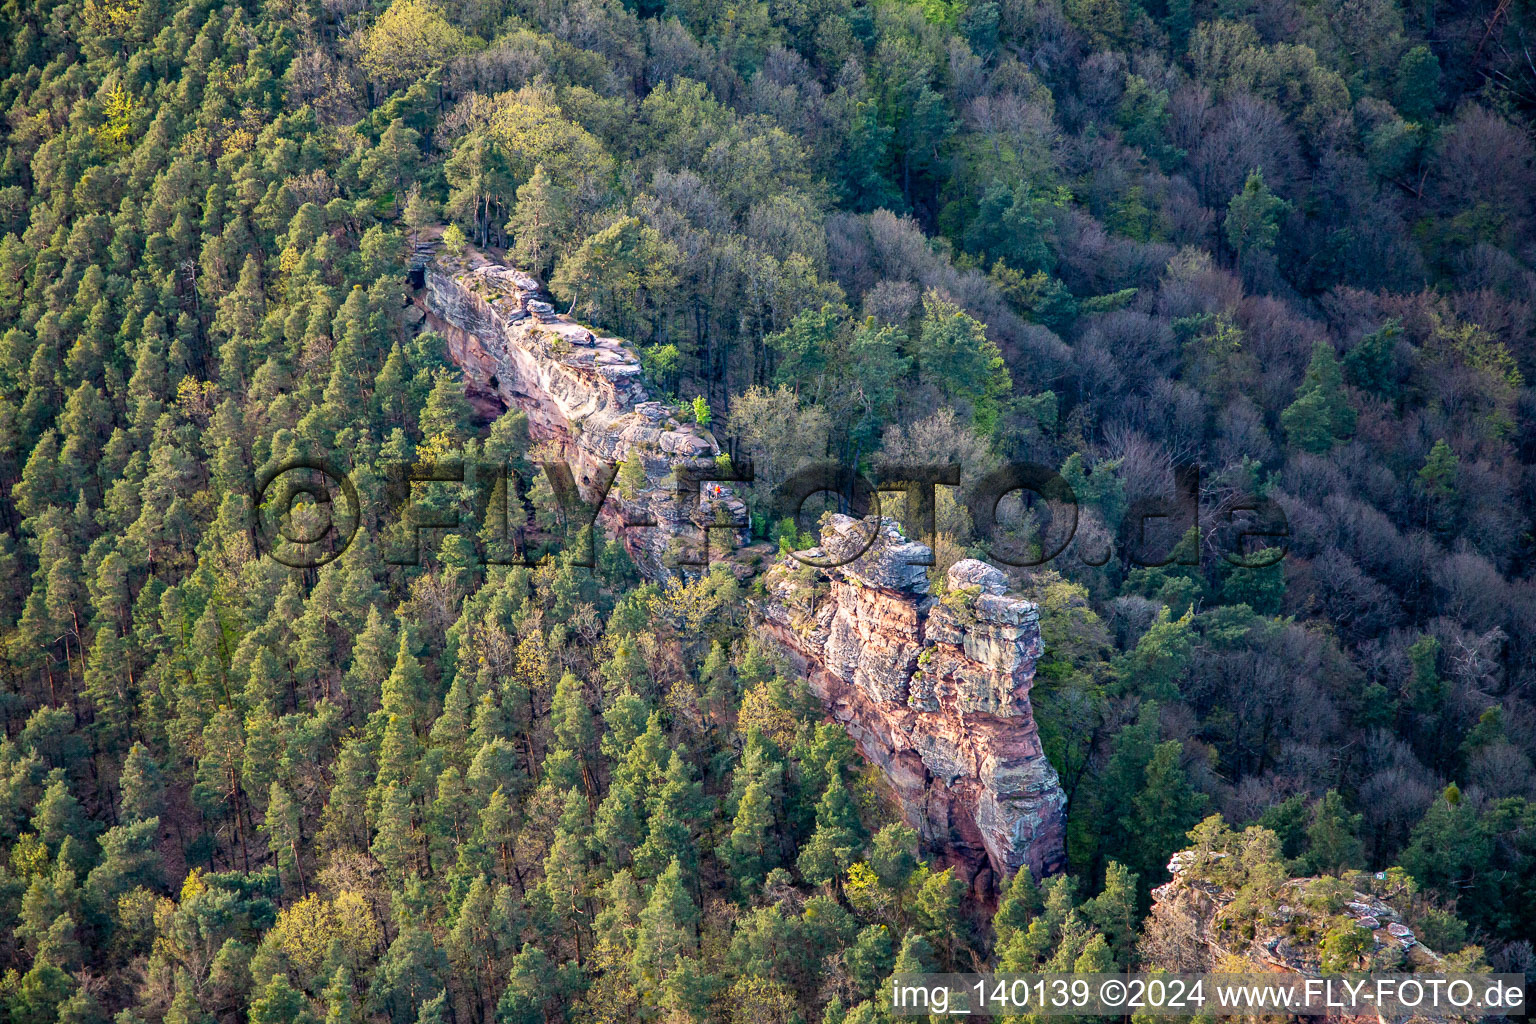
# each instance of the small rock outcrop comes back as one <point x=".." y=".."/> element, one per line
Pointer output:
<point x="934" y="691"/>
<point x="584" y="392"/>
<point x="1204" y="919"/>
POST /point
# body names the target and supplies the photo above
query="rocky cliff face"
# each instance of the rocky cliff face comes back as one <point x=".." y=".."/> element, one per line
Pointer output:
<point x="934" y="692"/>
<point x="584" y="393"/>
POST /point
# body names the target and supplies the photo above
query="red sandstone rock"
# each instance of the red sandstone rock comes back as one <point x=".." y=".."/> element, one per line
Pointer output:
<point x="1198" y="924"/>
<point x="583" y="392"/>
<point x="936" y="695"/>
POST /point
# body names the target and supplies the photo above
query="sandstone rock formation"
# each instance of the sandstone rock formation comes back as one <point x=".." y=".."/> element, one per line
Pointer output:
<point x="1201" y="921"/>
<point x="583" y="392"/>
<point x="935" y="692"/>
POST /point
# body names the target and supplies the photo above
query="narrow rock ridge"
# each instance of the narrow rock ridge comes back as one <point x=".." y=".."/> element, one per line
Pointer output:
<point x="583" y="392"/>
<point x="934" y="693"/>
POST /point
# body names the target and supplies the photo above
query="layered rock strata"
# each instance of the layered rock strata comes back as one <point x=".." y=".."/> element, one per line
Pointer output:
<point x="935" y="692"/>
<point x="583" y="392"/>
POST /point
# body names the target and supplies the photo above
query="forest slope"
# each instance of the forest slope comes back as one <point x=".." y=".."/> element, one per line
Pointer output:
<point x="1290" y="244"/>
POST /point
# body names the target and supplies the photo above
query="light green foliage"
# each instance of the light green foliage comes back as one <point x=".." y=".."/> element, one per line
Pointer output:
<point x="1343" y="947"/>
<point x="411" y="39"/>
<point x="953" y="351"/>
<point x="454" y="240"/>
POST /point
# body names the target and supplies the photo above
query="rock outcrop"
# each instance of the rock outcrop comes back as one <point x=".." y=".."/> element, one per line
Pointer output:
<point x="1203" y="920"/>
<point x="583" y="392"/>
<point x="934" y="691"/>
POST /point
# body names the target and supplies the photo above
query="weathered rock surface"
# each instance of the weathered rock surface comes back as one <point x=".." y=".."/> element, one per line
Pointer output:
<point x="1198" y="924"/>
<point x="934" y="692"/>
<point x="583" y="392"/>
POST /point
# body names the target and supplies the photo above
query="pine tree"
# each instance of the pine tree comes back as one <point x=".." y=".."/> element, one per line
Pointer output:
<point x="453" y="818"/>
<point x="837" y="838"/>
<point x="567" y="876"/>
<point x="619" y="822"/>
<point x="530" y="988"/>
<point x="937" y="908"/>
<point x="870" y="957"/>
<point x="393" y="162"/>
<point x="632" y="479"/>
<point x="344" y="822"/>
<point x="1253" y="216"/>
<point x="750" y="850"/>
<point x="1115" y="915"/>
<point x="1369" y="366"/>
<point x="450" y="733"/>
<point x="496" y="833"/>
<point x="1417" y="87"/>
<point x="58" y="815"/>
<point x="129" y="859"/>
<point x="471" y="941"/>
<point x="541" y="218"/>
<point x="614" y="927"/>
<point x="914" y="957"/>
<point x="434" y="1010"/>
<point x="1437" y="478"/>
<point x="665" y="930"/>
<point x="447" y="413"/>
<point x="418" y="213"/>
<point x="281" y="1003"/>
<point x="1321" y="416"/>
<point x="955" y="354"/>
<point x="573" y="728"/>
<point x="339" y="999"/>
<point x="410" y="972"/>
<point x="671" y="815"/>
<point x="404" y="694"/>
<point x="142" y="785"/>
<point x="284" y="831"/>
<point x="395" y="845"/>
<point x="1333" y="838"/>
<point x="1018" y="906"/>
<point x="1166" y="807"/>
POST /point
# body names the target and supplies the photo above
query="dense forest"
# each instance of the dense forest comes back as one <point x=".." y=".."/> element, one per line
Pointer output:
<point x="1292" y="242"/>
